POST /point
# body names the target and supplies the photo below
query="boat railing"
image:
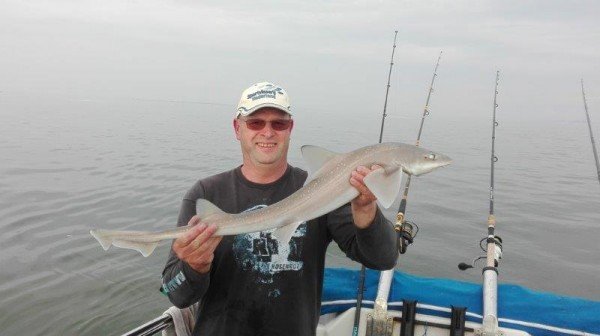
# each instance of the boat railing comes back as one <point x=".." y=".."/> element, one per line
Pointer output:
<point x="152" y="327"/>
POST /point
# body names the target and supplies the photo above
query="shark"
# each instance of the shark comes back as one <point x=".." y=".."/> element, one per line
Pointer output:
<point x="326" y="189"/>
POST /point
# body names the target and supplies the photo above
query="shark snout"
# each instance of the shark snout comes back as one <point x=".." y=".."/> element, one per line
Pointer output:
<point x="443" y="160"/>
<point x="434" y="161"/>
<point x="430" y="161"/>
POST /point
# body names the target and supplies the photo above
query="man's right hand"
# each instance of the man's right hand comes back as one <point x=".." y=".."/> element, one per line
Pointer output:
<point x="198" y="245"/>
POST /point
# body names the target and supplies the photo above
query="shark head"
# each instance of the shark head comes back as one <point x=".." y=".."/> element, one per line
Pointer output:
<point x="417" y="160"/>
<point x="430" y="161"/>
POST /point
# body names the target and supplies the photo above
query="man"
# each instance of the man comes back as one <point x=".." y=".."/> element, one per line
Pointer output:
<point x="252" y="284"/>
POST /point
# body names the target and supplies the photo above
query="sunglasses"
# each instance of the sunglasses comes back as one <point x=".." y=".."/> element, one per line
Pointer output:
<point x="259" y="124"/>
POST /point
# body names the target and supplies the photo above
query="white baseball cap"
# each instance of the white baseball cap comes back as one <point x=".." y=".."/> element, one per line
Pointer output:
<point x="263" y="94"/>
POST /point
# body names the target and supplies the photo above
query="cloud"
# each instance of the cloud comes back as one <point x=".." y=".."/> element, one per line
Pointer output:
<point x="208" y="51"/>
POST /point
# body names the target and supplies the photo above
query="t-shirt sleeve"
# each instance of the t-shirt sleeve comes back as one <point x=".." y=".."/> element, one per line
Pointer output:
<point x="375" y="246"/>
<point x="181" y="283"/>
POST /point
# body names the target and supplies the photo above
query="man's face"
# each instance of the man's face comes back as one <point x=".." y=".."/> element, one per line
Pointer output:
<point x="265" y="146"/>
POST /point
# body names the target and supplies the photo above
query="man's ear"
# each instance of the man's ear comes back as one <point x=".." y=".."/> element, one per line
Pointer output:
<point x="236" y="128"/>
<point x="292" y="125"/>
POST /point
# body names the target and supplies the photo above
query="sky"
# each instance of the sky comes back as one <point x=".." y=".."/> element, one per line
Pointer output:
<point x="331" y="56"/>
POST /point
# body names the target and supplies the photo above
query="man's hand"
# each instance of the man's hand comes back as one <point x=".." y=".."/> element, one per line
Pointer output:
<point x="364" y="206"/>
<point x="198" y="245"/>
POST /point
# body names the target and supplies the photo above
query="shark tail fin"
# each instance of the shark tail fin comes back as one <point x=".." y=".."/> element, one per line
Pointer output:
<point x="106" y="238"/>
<point x="103" y="237"/>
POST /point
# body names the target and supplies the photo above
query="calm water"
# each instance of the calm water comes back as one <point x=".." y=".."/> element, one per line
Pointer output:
<point x="69" y="166"/>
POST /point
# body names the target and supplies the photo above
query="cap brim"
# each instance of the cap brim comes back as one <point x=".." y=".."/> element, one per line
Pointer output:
<point x="258" y="107"/>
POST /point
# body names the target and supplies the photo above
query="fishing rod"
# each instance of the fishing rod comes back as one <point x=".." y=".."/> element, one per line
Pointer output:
<point x="378" y="323"/>
<point x="361" y="280"/>
<point x="387" y="90"/>
<point x="494" y="245"/>
<point x="405" y="228"/>
<point x="587" y="114"/>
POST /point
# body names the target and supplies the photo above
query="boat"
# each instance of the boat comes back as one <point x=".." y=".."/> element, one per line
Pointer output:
<point x="434" y="306"/>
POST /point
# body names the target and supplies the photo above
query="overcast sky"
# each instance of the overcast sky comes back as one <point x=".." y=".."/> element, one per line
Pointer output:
<point x="331" y="56"/>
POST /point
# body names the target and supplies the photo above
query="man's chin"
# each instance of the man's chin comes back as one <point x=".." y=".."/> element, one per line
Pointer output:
<point x="267" y="150"/>
<point x="268" y="153"/>
<point x="267" y="160"/>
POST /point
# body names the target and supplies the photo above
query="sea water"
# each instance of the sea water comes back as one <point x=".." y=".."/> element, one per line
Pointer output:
<point x="70" y="165"/>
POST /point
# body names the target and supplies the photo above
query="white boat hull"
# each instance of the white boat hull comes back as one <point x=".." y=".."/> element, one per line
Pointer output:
<point x="342" y="324"/>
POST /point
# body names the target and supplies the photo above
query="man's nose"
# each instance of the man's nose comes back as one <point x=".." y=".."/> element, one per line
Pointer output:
<point x="268" y="131"/>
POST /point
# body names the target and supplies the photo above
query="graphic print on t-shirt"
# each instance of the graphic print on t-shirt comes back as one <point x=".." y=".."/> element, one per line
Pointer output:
<point x="262" y="253"/>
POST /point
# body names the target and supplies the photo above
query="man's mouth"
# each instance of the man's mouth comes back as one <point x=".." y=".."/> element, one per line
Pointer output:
<point x="266" y="145"/>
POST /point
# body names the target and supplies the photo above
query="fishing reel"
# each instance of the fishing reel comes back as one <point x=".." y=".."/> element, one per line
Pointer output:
<point x="407" y="231"/>
<point x="497" y="253"/>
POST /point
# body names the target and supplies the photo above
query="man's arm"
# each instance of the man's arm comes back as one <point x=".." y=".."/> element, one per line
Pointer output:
<point x="371" y="239"/>
<point x="186" y="275"/>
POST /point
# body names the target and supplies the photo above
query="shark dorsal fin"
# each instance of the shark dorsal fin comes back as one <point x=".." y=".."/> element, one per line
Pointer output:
<point x="205" y="208"/>
<point x="315" y="157"/>
<point x="385" y="185"/>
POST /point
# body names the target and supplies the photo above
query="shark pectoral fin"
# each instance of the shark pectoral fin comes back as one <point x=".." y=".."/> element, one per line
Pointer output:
<point x="384" y="185"/>
<point x="205" y="208"/>
<point x="284" y="234"/>
<point x="315" y="157"/>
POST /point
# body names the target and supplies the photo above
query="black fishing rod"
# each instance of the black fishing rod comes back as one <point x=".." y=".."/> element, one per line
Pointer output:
<point x="405" y="228"/>
<point x="491" y="238"/>
<point x="493" y="158"/>
<point x="587" y="114"/>
<point x="387" y="89"/>
<point x="494" y="244"/>
<point x="361" y="280"/>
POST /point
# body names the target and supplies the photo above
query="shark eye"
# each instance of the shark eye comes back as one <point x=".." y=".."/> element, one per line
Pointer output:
<point x="431" y="156"/>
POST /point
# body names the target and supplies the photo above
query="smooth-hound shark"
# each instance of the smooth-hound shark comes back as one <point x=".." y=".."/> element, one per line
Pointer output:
<point x="326" y="189"/>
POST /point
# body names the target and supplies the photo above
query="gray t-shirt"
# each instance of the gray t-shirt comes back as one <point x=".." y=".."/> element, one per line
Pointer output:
<point x="257" y="286"/>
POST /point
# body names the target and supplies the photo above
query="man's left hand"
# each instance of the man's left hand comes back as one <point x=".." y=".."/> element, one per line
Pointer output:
<point x="364" y="206"/>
